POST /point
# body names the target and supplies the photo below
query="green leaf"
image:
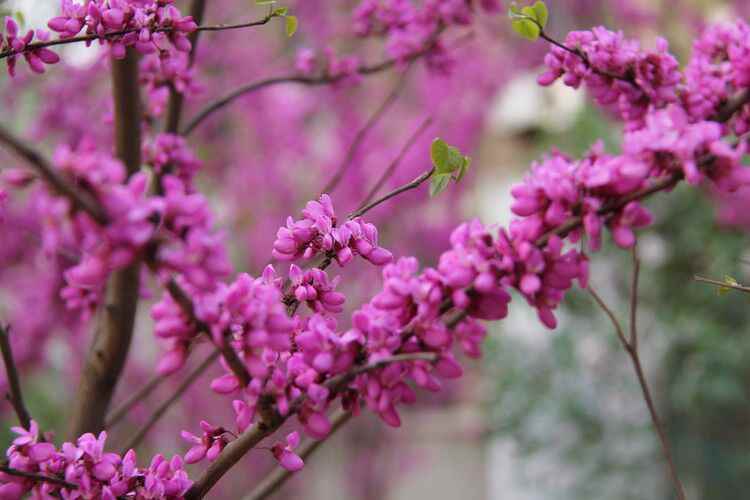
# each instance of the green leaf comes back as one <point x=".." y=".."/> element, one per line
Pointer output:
<point x="526" y="28"/>
<point x="729" y="281"/>
<point x="541" y="13"/>
<point x="281" y="11"/>
<point x="463" y="168"/>
<point x="438" y="183"/>
<point x="439" y="152"/>
<point x="291" y="25"/>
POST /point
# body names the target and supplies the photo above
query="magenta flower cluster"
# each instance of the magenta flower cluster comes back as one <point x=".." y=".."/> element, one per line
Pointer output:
<point x="12" y="42"/>
<point x="88" y="470"/>
<point x="123" y="23"/>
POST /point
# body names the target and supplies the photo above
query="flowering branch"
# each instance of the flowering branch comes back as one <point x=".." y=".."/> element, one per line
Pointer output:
<point x="42" y="44"/>
<point x="235" y="450"/>
<point x="115" y="330"/>
<point x="79" y="199"/>
<point x="631" y="348"/>
<point x="37" y="477"/>
<point x="279" y="476"/>
<point x="16" y="396"/>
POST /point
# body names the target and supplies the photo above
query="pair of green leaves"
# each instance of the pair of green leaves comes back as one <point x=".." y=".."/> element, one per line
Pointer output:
<point x="529" y="21"/>
<point x="449" y="163"/>
<point x="292" y="23"/>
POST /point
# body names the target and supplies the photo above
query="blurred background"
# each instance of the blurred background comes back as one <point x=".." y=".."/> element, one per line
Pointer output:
<point x="543" y="414"/>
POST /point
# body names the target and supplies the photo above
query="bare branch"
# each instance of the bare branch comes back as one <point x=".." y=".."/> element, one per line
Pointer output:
<point x="722" y="284"/>
<point x="388" y="172"/>
<point x="137" y="397"/>
<point x="16" y="396"/>
<point x="406" y="187"/>
<point x="632" y="351"/>
<point x="362" y="133"/>
<point x="80" y="200"/>
<point x="162" y="409"/>
<point x="298" y="79"/>
<point x="634" y="299"/>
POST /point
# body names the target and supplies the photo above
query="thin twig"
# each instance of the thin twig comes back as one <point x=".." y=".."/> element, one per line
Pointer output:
<point x="80" y="200"/>
<point x="16" y="396"/>
<point x="162" y="409"/>
<point x="722" y="284"/>
<point x="114" y="34"/>
<point x="279" y="476"/>
<point x="632" y="351"/>
<point x="362" y="133"/>
<point x="397" y="161"/>
<point x="406" y="187"/>
<point x="137" y="397"/>
<point x="219" y="103"/>
<point x="176" y="99"/>
<point x="37" y="477"/>
<point x="634" y="299"/>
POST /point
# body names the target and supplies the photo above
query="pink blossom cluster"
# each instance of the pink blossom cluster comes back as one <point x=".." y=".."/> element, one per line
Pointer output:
<point x="15" y="44"/>
<point x="162" y="72"/>
<point x="410" y="27"/>
<point x="718" y="69"/>
<point x="170" y="154"/>
<point x="89" y="471"/>
<point x="317" y="233"/>
<point x="622" y="77"/>
<point x="124" y="23"/>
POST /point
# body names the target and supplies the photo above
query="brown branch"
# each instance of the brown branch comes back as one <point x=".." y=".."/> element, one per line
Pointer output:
<point x="176" y="99"/>
<point x="406" y="187"/>
<point x="279" y="476"/>
<point x="362" y="133"/>
<point x="111" y="343"/>
<point x="635" y="359"/>
<point x="722" y="284"/>
<point x="14" y="385"/>
<point x="114" y="34"/>
<point x="162" y="408"/>
<point x="299" y="79"/>
<point x="229" y="355"/>
<point x="237" y="449"/>
<point x="137" y="397"/>
<point x="396" y="161"/>
<point x="634" y="299"/>
<point x="80" y="200"/>
<point x="37" y="477"/>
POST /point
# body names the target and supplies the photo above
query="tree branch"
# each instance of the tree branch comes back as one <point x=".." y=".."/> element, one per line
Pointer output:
<point x="16" y="396"/>
<point x="176" y="99"/>
<point x="279" y="476"/>
<point x="137" y="397"/>
<point x="114" y="34"/>
<point x="396" y="161"/>
<point x="80" y="200"/>
<point x="235" y="450"/>
<point x="722" y="284"/>
<point x="299" y="79"/>
<point x="37" y="477"/>
<point x="111" y="343"/>
<point x="406" y="187"/>
<point x="162" y="408"/>
<point x="635" y="359"/>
